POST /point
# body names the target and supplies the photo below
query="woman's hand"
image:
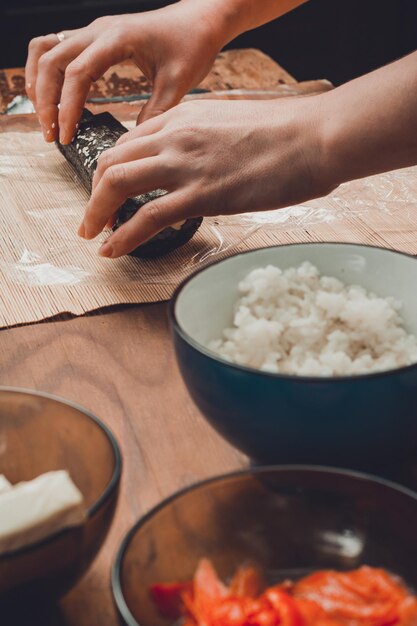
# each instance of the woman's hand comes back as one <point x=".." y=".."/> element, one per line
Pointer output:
<point x="214" y="158"/>
<point x="225" y="157"/>
<point x="174" y="47"/>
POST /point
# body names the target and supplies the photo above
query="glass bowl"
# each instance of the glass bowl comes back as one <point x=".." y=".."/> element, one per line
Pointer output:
<point x="40" y="433"/>
<point x="289" y="520"/>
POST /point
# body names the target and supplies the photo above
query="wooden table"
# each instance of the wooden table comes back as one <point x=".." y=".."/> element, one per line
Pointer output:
<point x="120" y="364"/>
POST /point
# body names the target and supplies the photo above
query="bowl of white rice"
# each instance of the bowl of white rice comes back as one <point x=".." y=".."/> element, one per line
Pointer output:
<point x="305" y="353"/>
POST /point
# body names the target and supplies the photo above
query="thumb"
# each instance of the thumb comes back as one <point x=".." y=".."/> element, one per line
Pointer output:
<point x="165" y="95"/>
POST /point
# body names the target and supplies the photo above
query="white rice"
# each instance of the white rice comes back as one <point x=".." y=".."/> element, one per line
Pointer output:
<point x="298" y="322"/>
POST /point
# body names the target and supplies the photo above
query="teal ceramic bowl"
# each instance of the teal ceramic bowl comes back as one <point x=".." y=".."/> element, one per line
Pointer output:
<point x="359" y="421"/>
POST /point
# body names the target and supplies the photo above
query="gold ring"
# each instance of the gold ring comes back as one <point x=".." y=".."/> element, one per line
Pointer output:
<point x="60" y="36"/>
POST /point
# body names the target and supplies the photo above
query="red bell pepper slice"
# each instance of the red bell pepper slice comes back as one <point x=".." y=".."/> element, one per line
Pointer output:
<point x="285" y="605"/>
<point x="168" y="597"/>
<point x="247" y="582"/>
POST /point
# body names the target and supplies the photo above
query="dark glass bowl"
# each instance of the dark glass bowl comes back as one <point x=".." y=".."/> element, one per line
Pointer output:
<point x="40" y="433"/>
<point x="290" y="520"/>
<point x="355" y="422"/>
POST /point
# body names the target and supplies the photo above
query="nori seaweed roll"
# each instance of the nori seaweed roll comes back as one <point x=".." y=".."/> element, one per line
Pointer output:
<point x="97" y="133"/>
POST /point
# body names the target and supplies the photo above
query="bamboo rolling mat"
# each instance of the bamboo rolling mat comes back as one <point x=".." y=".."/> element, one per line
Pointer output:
<point x="45" y="269"/>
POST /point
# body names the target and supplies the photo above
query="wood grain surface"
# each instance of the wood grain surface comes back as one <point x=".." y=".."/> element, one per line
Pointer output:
<point x="121" y="366"/>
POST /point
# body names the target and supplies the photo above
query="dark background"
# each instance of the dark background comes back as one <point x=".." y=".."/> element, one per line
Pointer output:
<point x="334" y="39"/>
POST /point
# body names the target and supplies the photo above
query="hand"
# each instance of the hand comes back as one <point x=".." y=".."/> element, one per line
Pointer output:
<point x="174" y="47"/>
<point x="213" y="157"/>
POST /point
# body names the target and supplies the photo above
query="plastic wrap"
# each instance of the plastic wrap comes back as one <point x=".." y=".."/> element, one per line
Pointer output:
<point x="40" y="246"/>
<point x="47" y="263"/>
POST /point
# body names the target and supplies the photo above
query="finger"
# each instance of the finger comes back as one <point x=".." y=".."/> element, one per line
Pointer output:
<point x="149" y="127"/>
<point x="165" y="95"/>
<point x="119" y="183"/>
<point x="88" y="67"/>
<point x="131" y="151"/>
<point x="50" y="78"/>
<point x="37" y="47"/>
<point x="148" y="222"/>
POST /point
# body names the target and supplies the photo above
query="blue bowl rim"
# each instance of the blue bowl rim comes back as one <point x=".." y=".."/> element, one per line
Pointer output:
<point x="108" y="491"/>
<point x="116" y="583"/>
<point x="271" y="375"/>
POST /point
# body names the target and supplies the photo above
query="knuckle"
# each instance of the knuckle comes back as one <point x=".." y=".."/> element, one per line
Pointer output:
<point x="104" y="161"/>
<point x="189" y="107"/>
<point x="153" y="214"/>
<point x="104" y="23"/>
<point x="135" y="133"/>
<point x="121" y="140"/>
<point x="45" y="62"/>
<point x="75" y="70"/>
<point x="170" y="165"/>
<point x="119" y="239"/>
<point x="117" y="34"/>
<point x="115" y="177"/>
<point x="36" y="43"/>
<point x="188" y="134"/>
<point x="177" y="72"/>
<point x="190" y="130"/>
<point x="100" y="21"/>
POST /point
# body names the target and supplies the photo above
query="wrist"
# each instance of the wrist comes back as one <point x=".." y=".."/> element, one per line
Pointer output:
<point x="315" y="144"/>
<point x="224" y="19"/>
<point x="357" y="129"/>
<point x="231" y="18"/>
<point x="332" y="131"/>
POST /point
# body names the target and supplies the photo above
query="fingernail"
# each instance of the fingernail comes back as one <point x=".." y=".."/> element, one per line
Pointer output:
<point x="81" y="230"/>
<point x="29" y="85"/>
<point x="47" y="133"/>
<point x="88" y="234"/>
<point x="106" y="250"/>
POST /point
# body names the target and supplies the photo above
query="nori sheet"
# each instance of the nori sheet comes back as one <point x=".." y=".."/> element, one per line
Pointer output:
<point x="97" y="133"/>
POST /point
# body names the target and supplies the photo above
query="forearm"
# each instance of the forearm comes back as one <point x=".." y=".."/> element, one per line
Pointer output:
<point x="369" y="125"/>
<point x="230" y="18"/>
